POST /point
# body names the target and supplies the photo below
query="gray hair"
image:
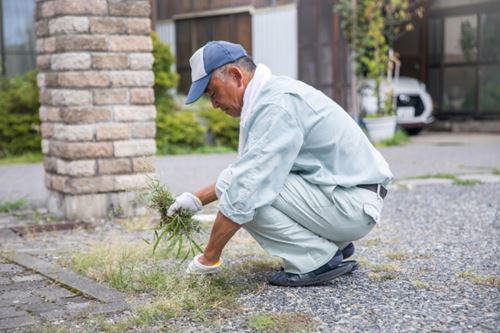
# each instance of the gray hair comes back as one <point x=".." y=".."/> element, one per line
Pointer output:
<point x="243" y="63"/>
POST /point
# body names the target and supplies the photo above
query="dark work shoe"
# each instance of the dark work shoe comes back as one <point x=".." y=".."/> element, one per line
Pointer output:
<point x="329" y="271"/>
<point x="348" y="251"/>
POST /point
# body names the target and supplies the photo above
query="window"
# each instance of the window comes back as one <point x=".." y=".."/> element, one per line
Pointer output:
<point x="463" y="60"/>
<point x="18" y="49"/>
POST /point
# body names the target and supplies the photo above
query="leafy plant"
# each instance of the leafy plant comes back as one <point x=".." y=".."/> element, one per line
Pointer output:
<point x="20" y="125"/>
<point x="371" y="26"/>
<point x="178" y="229"/>
<point x="178" y="129"/>
<point x="9" y="206"/>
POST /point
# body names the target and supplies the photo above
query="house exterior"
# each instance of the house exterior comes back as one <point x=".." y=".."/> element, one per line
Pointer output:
<point x="454" y="49"/>
<point x="300" y="39"/>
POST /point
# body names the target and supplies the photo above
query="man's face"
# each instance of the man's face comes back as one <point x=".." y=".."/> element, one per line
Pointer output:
<point x="226" y="94"/>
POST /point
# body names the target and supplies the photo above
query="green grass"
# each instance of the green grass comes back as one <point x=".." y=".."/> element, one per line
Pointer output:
<point x="10" y="206"/>
<point x="371" y="241"/>
<point x="398" y="255"/>
<point x="380" y="272"/>
<point x="455" y="178"/>
<point x="420" y="284"/>
<point x="399" y="138"/>
<point x="205" y="149"/>
<point x="496" y="171"/>
<point x="488" y="280"/>
<point x="22" y="159"/>
<point x="130" y="266"/>
<point x="281" y="322"/>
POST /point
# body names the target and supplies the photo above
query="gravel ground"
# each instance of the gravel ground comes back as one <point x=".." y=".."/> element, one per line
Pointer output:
<point x="421" y="270"/>
<point x="441" y="236"/>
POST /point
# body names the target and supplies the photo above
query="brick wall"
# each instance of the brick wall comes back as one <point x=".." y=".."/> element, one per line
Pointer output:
<point x="97" y="103"/>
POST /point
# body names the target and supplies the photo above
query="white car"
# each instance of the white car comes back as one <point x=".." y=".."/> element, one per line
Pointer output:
<point x="413" y="103"/>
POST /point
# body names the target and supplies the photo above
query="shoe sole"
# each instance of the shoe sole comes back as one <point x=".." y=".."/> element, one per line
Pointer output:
<point x="341" y="269"/>
<point x="354" y="264"/>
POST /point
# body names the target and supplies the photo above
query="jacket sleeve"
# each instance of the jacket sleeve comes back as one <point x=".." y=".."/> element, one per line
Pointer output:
<point x="274" y="140"/>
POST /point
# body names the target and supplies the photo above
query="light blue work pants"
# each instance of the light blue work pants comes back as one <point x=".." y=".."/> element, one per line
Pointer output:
<point x="308" y="223"/>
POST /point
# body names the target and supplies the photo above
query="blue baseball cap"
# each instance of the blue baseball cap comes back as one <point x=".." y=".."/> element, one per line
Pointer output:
<point x="208" y="58"/>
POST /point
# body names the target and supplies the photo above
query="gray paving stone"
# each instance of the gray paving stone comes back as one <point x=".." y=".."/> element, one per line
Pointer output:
<point x="38" y="308"/>
<point x="14" y="294"/>
<point x="11" y="311"/>
<point x="10" y="268"/>
<point x="4" y="280"/>
<point x="28" y="278"/>
<point x="33" y="263"/>
<point x="17" y="322"/>
<point x="53" y="293"/>
<point x="87" y="286"/>
<point x="111" y="308"/>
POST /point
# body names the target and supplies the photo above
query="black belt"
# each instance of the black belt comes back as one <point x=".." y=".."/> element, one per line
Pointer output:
<point x="373" y="188"/>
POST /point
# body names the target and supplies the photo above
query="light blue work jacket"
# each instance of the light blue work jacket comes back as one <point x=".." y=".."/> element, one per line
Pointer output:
<point x="295" y="128"/>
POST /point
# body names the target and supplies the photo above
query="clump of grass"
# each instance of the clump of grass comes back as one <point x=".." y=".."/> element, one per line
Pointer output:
<point x="420" y="284"/>
<point x="496" y="171"/>
<point x="281" y="322"/>
<point x="398" y="255"/>
<point x="466" y="182"/>
<point x="489" y="280"/>
<point x="382" y="276"/>
<point x="10" y="206"/>
<point x="456" y="180"/>
<point x="399" y="138"/>
<point x="176" y="230"/>
<point x="372" y="241"/>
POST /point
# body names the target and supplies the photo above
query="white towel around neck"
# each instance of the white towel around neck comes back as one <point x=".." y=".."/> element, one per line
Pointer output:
<point x="261" y="75"/>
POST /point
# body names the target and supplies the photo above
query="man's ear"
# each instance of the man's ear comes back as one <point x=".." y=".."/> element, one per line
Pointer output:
<point x="236" y="74"/>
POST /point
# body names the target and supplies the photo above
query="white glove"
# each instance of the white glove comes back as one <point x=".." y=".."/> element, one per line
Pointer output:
<point x="196" y="267"/>
<point x="186" y="201"/>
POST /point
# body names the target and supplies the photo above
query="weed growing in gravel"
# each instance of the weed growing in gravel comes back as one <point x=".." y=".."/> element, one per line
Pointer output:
<point x="398" y="255"/>
<point x="420" y="284"/>
<point x="371" y="241"/>
<point x="9" y="206"/>
<point x="488" y="280"/>
<point x="379" y="277"/>
<point x="129" y="266"/>
<point x="281" y="322"/>
<point x="380" y="272"/>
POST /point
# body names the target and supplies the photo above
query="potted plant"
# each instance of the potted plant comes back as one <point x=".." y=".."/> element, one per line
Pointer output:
<point x="370" y="27"/>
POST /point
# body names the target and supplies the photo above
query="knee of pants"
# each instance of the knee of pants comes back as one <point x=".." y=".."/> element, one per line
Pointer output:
<point x="223" y="182"/>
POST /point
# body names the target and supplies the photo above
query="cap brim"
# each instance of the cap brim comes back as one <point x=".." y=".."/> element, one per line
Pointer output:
<point x="197" y="89"/>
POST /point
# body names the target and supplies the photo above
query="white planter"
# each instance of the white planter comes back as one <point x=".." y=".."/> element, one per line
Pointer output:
<point x="380" y="128"/>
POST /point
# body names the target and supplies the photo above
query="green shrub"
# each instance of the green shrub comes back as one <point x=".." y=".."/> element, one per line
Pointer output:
<point x="178" y="129"/>
<point x="165" y="78"/>
<point x="20" y="125"/>
<point x="223" y="128"/>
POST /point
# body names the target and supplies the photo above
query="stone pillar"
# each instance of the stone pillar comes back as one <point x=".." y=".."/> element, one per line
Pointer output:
<point x="97" y="104"/>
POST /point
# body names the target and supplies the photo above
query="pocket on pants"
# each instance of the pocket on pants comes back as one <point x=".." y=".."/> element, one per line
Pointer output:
<point x="372" y="211"/>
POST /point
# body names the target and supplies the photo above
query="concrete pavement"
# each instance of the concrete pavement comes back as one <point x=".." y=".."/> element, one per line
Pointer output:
<point x="428" y="153"/>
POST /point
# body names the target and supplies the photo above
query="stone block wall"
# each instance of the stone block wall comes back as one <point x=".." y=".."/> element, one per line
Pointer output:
<point x="97" y="104"/>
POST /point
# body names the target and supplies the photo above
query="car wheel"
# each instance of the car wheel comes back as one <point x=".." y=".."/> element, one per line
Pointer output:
<point x="413" y="131"/>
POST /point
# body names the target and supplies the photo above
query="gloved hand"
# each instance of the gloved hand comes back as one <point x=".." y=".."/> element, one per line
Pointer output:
<point x="196" y="267"/>
<point x="186" y="201"/>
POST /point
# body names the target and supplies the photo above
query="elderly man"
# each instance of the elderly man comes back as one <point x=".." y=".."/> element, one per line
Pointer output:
<point x="306" y="182"/>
